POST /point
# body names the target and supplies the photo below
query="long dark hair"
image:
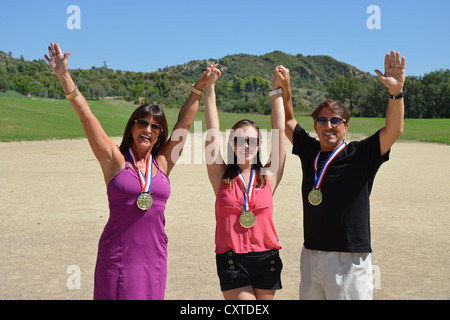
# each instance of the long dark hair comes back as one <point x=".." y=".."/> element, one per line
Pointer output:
<point x="232" y="171"/>
<point x="142" y="112"/>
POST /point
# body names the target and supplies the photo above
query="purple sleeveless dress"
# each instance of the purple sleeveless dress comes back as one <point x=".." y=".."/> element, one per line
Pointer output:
<point x="132" y="251"/>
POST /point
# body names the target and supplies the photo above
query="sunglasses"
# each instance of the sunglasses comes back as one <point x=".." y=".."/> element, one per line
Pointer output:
<point x="322" y="121"/>
<point x="241" y="141"/>
<point x="143" y="124"/>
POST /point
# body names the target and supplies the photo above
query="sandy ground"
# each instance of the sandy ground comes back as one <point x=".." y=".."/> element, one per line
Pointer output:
<point x="53" y="208"/>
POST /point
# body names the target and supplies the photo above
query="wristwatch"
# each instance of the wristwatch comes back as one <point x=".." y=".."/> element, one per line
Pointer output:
<point x="398" y="95"/>
<point x="274" y="92"/>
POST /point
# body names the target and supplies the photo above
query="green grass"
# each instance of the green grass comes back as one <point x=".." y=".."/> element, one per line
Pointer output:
<point x="40" y="119"/>
<point x="426" y="130"/>
<point x="27" y="119"/>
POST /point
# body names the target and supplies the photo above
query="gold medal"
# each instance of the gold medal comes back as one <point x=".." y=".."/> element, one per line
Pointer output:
<point x="247" y="219"/>
<point x="315" y="197"/>
<point x="144" y="202"/>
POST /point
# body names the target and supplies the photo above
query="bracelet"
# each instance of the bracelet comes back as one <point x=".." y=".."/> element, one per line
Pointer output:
<point x="196" y="91"/>
<point x="274" y="92"/>
<point x="73" y="94"/>
<point x="398" y="95"/>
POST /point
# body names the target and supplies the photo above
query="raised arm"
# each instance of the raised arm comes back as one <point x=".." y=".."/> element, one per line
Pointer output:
<point x="105" y="150"/>
<point x="285" y="82"/>
<point x="175" y="144"/>
<point x="277" y="159"/>
<point x="214" y="161"/>
<point x="394" y="79"/>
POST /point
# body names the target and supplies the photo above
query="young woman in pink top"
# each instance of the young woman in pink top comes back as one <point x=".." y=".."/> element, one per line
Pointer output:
<point x="247" y="257"/>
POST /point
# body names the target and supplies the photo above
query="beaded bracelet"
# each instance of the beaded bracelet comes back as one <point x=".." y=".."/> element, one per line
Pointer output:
<point x="196" y="91"/>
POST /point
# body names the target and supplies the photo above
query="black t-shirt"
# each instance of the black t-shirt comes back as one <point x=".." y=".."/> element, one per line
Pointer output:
<point x="342" y="221"/>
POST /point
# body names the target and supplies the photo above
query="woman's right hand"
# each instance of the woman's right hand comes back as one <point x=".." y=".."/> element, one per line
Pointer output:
<point x="58" y="62"/>
<point x="282" y="74"/>
<point x="208" y="77"/>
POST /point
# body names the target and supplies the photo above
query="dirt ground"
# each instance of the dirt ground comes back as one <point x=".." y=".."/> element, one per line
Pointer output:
<point x="53" y="208"/>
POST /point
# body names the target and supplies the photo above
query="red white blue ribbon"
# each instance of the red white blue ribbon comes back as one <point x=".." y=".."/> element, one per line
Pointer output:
<point x="146" y="181"/>
<point x="318" y="179"/>
<point x="248" y="194"/>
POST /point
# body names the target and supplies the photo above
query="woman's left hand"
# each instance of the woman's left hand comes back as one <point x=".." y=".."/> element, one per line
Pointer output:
<point x="58" y="62"/>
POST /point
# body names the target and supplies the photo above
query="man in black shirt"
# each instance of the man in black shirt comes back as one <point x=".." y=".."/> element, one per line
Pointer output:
<point x="337" y="181"/>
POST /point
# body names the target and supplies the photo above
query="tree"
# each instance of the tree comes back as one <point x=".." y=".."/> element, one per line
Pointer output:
<point x="353" y="93"/>
<point x="414" y="99"/>
<point x="446" y="93"/>
<point x="137" y="91"/>
<point x="436" y="93"/>
<point x="223" y="90"/>
<point x="97" y="90"/>
<point x="375" y="102"/>
<point x="163" y="85"/>
<point x="238" y="84"/>
<point x="22" y="84"/>
<point x="345" y="89"/>
<point x="4" y="84"/>
<point x="337" y="89"/>
<point x="262" y="84"/>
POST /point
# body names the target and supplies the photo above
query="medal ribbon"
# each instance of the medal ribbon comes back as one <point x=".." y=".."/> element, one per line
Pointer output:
<point x="146" y="181"/>
<point x="248" y="195"/>
<point x="319" y="179"/>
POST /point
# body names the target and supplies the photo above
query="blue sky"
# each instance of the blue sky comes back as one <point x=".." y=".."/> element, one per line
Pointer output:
<point x="147" y="35"/>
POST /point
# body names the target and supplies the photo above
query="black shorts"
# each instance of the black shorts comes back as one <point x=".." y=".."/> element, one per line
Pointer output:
<point x="261" y="270"/>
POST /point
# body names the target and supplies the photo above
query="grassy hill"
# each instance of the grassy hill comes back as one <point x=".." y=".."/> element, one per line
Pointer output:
<point x="28" y="119"/>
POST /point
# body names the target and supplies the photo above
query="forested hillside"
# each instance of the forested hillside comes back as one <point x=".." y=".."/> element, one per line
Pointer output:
<point x="243" y="87"/>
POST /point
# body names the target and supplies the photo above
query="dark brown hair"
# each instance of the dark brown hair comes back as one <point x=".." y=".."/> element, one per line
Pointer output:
<point x="334" y="105"/>
<point x="140" y="113"/>
<point x="231" y="172"/>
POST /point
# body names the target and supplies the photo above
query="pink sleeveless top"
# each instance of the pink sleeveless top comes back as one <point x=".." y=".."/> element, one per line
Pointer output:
<point x="230" y="235"/>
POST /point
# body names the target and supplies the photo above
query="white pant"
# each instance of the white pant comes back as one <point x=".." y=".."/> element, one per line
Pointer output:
<point x="335" y="275"/>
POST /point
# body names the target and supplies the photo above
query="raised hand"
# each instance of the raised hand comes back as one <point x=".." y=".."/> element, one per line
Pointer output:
<point x="394" y="72"/>
<point x="58" y="62"/>
<point x="276" y="81"/>
<point x="215" y="73"/>
<point x="209" y="77"/>
<point x="281" y="75"/>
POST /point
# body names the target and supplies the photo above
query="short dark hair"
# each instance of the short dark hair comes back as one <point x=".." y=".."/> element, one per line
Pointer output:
<point x="334" y="105"/>
<point x="142" y="112"/>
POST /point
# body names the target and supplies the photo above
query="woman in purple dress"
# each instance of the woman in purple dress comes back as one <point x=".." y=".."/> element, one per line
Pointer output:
<point x="132" y="251"/>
